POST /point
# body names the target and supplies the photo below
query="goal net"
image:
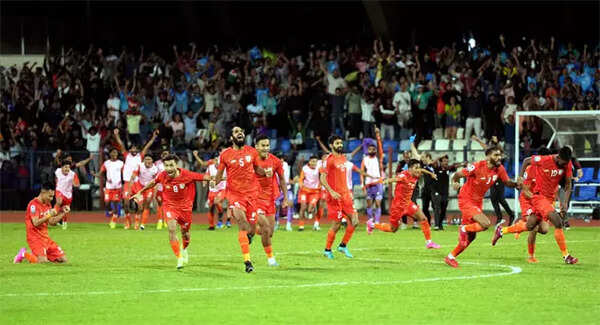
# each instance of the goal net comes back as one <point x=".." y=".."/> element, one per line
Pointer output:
<point x="581" y="131"/>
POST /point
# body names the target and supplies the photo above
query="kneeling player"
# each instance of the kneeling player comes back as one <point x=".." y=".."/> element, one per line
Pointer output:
<point x="37" y="218"/>
<point x="402" y="204"/>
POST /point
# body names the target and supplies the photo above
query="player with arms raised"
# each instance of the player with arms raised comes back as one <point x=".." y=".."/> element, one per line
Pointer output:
<point x="38" y="216"/>
<point x="145" y="173"/>
<point x="480" y="177"/>
<point x="179" y="190"/>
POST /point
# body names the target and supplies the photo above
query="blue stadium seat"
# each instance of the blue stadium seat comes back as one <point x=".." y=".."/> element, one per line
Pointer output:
<point x="285" y="146"/>
<point x="588" y="175"/>
<point x="509" y="192"/>
<point x="352" y="144"/>
<point x="355" y="178"/>
<point x="390" y="144"/>
<point x="586" y="193"/>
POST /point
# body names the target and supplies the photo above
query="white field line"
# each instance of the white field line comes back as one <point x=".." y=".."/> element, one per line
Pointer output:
<point x="522" y="241"/>
<point x="511" y="271"/>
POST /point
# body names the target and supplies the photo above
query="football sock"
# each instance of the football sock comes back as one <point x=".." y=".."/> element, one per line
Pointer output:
<point x="473" y="227"/>
<point x="330" y="239"/>
<point x="186" y="242"/>
<point x="377" y="215"/>
<point x="518" y="227"/>
<point x="31" y="258"/>
<point x="145" y="216"/>
<point x="348" y="234"/>
<point x="383" y="227"/>
<point x="175" y="248"/>
<point x="244" y="244"/>
<point x="559" y="235"/>
<point x="211" y="218"/>
<point x="269" y="251"/>
<point x="531" y="249"/>
<point x="426" y="229"/>
<point x="369" y="213"/>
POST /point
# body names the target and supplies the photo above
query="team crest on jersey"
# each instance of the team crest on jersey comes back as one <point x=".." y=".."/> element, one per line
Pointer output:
<point x="537" y="159"/>
<point x="168" y="187"/>
<point x="32" y="209"/>
<point x="233" y="161"/>
<point x="248" y="158"/>
<point x="494" y="178"/>
<point x="182" y="186"/>
<point x="471" y="167"/>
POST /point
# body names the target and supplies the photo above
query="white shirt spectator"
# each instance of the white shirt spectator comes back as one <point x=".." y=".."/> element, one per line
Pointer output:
<point x="402" y="101"/>
<point x="367" y="111"/>
<point x="210" y="101"/>
<point x="93" y="142"/>
<point x="333" y="83"/>
<point x="113" y="104"/>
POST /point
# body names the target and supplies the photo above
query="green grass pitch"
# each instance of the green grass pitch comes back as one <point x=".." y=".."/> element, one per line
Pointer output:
<point x="117" y="276"/>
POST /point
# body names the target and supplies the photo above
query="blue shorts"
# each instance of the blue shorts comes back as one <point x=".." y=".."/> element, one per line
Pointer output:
<point x="375" y="192"/>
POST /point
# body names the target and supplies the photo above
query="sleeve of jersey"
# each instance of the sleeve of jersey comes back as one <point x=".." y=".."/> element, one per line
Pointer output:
<point x="195" y="176"/>
<point x="159" y="179"/>
<point x="469" y="170"/>
<point x="222" y="160"/>
<point x="356" y="169"/>
<point x="569" y="170"/>
<point x="502" y="174"/>
<point x="103" y="168"/>
<point x="279" y="167"/>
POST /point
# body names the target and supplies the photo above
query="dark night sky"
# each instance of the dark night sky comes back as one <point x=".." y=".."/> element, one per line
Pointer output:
<point x="159" y="24"/>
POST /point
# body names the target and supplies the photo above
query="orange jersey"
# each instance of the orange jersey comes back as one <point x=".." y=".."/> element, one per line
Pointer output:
<point x="239" y="164"/>
<point x="178" y="192"/>
<point x="405" y="186"/>
<point x="548" y="174"/>
<point x="335" y="168"/>
<point x="269" y="190"/>
<point x="37" y="209"/>
<point x="479" y="180"/>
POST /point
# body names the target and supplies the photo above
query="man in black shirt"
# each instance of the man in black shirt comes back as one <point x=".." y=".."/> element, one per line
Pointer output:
<point x="439" y="191"/>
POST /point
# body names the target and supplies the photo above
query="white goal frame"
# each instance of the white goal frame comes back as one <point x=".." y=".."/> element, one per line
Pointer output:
<point x="544" y="115"/>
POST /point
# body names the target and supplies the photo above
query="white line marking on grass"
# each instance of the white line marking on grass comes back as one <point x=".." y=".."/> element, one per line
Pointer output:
<point x="360" y="249"/>
<point x="513" y="270"/>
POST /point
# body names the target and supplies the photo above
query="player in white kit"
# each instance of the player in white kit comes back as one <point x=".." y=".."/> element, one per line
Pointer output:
<point x="146" y="172"/>
<point x="133" y="159"/>
<point x="65" y="179"/>
<point x="310" y="191"/>
<point x="372" y="163"/>
<point x="113" y="186"/>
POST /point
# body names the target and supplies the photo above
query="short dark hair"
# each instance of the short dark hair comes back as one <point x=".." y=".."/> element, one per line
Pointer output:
<point x="413" y="162"/>
<point x="565" y="153"/>
<point x="65" y="162"/>
<point x="313" y="157"/>
<point x="491" y="149"/>
<point x="48" y="186"/>
<point x="113" y="149"/>
<point x="333" y="138"/>
<point x="260" y="137"/>
<point x="171" y="156"/>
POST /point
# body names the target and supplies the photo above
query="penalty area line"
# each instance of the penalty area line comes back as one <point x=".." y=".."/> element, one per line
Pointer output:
<point x="511" y="270"/>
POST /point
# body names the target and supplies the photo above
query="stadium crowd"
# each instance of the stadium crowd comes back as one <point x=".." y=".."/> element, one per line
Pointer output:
<point x="193" y="96"/>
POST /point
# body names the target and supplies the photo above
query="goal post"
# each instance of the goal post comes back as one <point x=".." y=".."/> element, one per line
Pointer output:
<point x="579" y="129"/>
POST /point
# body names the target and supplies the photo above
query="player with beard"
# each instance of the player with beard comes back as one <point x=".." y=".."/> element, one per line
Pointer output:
<point x="549" y="171"/>
<point x="373" y="164"/>
<point x="241" y="164"/>
<point x="179" y="190"/>
<point x="480" y="177"/>
<point x="339" y="199"/>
